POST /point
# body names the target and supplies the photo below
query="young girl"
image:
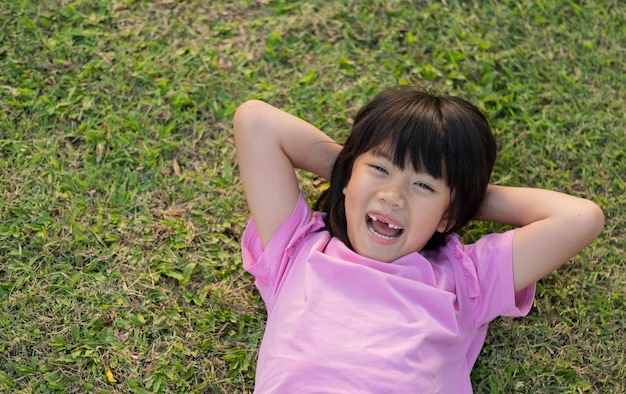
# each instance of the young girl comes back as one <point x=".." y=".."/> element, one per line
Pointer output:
<point x="376" y="293"/>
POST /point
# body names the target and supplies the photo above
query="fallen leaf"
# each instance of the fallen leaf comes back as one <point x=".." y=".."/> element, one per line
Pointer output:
<point x="176" y="167"/>
<point x="110" y="376"/>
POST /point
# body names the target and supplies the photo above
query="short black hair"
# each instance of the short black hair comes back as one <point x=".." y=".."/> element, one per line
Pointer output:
<point x="445" y="136"/>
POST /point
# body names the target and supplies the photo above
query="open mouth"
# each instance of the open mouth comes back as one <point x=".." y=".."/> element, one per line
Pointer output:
<point x="382" y="229"/>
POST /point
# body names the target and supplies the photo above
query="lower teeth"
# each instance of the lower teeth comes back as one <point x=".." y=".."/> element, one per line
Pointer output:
<point x="379" y="234"/>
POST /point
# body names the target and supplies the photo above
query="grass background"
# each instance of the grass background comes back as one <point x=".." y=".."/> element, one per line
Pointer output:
<point x="121" y="211"/>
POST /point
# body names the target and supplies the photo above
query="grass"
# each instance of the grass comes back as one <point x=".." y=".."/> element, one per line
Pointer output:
<point x="121" y="211"/>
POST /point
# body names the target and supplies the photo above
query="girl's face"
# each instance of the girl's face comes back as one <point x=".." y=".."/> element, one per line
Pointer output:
<point x="392" y="212"/>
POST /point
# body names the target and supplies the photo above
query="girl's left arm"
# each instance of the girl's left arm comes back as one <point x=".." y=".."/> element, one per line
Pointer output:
<point x="553" y="227"/>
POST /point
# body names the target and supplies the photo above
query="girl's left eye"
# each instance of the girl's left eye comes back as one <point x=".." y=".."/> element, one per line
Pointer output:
<point x="423" y="185"/>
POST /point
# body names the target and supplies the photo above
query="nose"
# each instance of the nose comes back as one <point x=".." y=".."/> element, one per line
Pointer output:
<point x="392" y="195"/>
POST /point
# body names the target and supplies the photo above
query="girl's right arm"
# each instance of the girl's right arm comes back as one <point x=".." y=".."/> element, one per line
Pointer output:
<point x="270" y="145"/>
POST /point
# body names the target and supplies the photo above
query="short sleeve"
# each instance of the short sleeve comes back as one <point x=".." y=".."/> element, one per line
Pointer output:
<point x="268" y="265"/>
<point x="488" y="271"/>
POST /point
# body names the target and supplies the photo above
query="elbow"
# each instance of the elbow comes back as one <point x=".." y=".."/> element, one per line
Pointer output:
<point x="598" y="218"/>
<point x="249" y="124"/>
<point x="593" y="218"/>
<point x="247" y="115"/>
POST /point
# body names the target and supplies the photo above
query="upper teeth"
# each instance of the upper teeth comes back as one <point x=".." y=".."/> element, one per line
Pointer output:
<point x="374" y="219"/>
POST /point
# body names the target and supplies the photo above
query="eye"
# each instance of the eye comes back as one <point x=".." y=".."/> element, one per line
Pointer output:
<point x="378" y="168"/>
<point x="424" y="186"/>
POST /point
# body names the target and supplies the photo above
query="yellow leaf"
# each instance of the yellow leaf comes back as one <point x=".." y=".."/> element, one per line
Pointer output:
<point x="110" y="376"/>
<point x="323" y="186"/>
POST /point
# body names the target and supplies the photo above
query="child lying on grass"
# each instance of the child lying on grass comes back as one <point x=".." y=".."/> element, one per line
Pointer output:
<point x="374" y="292"/>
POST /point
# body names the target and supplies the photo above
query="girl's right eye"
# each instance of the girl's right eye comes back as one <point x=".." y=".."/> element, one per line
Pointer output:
<point x="378" y="168"/>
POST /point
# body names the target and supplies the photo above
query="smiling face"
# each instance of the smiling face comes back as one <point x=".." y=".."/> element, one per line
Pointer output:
<point x="442" y="136"/>
<point x="391" y="212"/>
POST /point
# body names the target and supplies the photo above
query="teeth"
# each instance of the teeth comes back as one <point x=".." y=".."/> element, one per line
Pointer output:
<point x="375" y="219"/>
<point x="382" y="236"/>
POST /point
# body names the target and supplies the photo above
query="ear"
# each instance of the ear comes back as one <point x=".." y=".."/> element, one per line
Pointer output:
<point x="443" y="225"/>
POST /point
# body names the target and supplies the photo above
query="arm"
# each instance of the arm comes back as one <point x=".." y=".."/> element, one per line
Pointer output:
<point x="553" y="227"/>
<point x="270" y="144"/>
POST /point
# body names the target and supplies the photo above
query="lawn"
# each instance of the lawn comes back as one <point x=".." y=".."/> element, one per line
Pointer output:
<point x="121" y="211"/>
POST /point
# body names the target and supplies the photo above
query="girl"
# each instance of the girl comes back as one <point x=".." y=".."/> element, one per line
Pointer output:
<point x="375" y="293"/>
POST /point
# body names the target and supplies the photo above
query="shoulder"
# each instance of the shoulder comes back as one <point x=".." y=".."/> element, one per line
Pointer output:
<point x="475" y="264"/>
<point x="494" y="246"/>
<point x="301" y="222"/>
<point x="269" y="264"/>
<point x="485" y="268"/>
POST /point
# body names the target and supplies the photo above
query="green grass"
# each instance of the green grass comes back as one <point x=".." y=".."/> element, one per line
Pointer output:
<point x="121" y="211"/>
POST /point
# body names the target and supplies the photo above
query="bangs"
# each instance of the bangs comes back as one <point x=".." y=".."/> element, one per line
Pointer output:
<point x="411" y="139"/>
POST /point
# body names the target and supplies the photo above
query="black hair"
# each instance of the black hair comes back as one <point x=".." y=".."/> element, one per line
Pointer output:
<point x="445" y="136"/>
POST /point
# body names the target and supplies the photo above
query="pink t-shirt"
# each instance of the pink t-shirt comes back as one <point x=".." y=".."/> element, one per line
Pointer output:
<point x="342" y="323"/>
